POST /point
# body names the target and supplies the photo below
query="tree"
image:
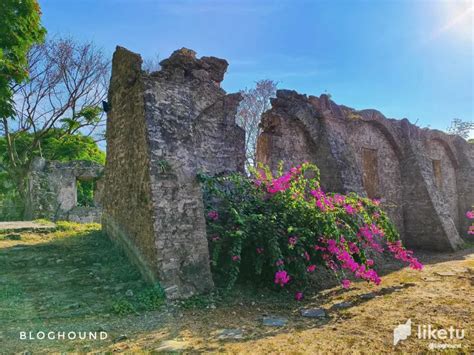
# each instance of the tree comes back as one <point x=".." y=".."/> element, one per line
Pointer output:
<point x="68" y="81"/>
<point x="55" y="145"/>
<point x="255" y="102"/>
<point x="460" y="128"/>
<point x="20" y="28"/>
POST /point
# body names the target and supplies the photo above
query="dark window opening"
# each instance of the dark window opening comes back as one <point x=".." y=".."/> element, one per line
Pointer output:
<point x="437" y="173"/>
<point x="370" y="171"/>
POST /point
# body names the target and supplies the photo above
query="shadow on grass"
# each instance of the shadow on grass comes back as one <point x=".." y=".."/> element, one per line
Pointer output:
<point x="71" y="282"/>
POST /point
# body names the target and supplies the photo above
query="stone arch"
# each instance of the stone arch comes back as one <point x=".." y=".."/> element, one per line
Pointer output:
<point x="444" y="170"/>
<point x="448" y="150"/>
<point x="378" y="156"/>
<point x="388" y="135"/>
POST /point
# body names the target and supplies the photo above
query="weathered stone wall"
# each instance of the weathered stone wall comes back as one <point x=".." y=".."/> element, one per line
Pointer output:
<point x="423" y="177"/>
<point x="445" y="175"/>
<point x="381" y="172"/>
<point x="162" y="130"/>
<point x="52" y="191"/>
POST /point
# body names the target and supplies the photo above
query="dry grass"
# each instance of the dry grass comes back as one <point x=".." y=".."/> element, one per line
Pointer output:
<point x="366" y="327"/>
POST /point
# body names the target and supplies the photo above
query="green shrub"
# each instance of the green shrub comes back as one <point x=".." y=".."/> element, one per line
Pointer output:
<point x="123" y="307"/>
<point x="280" y="230"/>
<point x="152" y="298"/>
<point x="148" y="299"/>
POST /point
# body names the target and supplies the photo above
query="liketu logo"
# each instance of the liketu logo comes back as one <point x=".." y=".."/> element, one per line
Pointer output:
<point x="426" y="332"/>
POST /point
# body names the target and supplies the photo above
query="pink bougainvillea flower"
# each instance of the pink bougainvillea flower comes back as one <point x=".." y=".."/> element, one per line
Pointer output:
<point x="280" y="184"/>
<point x="292" y="240"/>
<point x="339" y="199"/>
<point x="353" y="248"/>
<point x="318" y="193"/>
<point x="213" y="215"/>
<point x="282" y="278"/>
<point x="299" y="295"/>
<point x="257" y="182"/>
<point x="471" y="230"/>
<point x="307" y="256"/>
<point x="470" y="214"/>
<point x="349" y="209"/>
<point x="376" y="201"/>
<point x="260" y="250"/>
<point x="346" y="283"/>
<point x="311" y="268"/>
<point x="235" y="258"/>
<point x="368" y="233"/>
<point x="369" y="262"/>
<point x="400" y="253"/>
<point x="415" y="264"/>
<point x="332" y="265"/>
<point x="279" y="262"/>
<point x="376" y="215"/>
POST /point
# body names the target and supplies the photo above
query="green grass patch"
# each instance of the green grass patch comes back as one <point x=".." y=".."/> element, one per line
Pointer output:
<point x="73" y="278"/>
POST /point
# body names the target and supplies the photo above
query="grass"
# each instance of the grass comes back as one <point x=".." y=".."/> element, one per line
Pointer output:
<point x="75" y="279"/>
<point x="70" y="279"/>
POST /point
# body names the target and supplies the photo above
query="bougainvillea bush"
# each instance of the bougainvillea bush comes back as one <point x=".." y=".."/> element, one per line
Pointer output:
<point x="280" y="230"/>
<point x="470" y="215"/>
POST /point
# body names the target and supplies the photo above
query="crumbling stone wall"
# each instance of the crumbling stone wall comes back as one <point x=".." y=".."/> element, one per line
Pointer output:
<point x="424" y="177"/>
<point x="164" y="128"/>
<point x="379" y="161"/>
<point x="444" y="174"/>
<point x="52" y="191"/>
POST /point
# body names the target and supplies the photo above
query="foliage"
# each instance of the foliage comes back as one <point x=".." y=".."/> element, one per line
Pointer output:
<point x="254" y="103"/>
<point x="56" y="144"/>
<point x="77" y="276"/>
<point x="200" y="301"/>
<point x="85" y="193"/>
<point x="470" y="215"/>
<point x="148" y="299"/>
<point x="460" y="128"/>
<point x="282" y="229"/>
<point x="66" y="86"/>
<point x="20" y="28"/>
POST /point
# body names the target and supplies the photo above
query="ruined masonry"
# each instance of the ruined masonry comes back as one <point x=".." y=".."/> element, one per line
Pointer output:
<point x="162" y="129"/>
<point x="52" y="191"/>
<point x="165" y="127"/>
<point x="424" y="178"/>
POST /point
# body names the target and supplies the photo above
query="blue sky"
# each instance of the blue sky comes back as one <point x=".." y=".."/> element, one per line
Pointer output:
<point x="409" y="59"/>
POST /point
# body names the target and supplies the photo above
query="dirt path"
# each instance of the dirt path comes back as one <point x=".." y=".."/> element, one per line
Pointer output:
<point x="441" y="296"/>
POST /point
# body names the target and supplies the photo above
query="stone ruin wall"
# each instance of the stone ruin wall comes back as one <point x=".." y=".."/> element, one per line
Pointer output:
<point x="424" y="177"/>
<point x="374" y="154"/>
<point x="163" y="128"/>
<point x="52" y="191"/>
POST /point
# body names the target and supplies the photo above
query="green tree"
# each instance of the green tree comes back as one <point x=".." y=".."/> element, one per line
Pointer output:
<point x="62" y="99"/>
<point x="20" y="28"/>
<point x="56" y="144"/>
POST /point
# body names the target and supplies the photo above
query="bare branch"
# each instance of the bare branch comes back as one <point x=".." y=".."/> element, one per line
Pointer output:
<point x="255" y="102"/>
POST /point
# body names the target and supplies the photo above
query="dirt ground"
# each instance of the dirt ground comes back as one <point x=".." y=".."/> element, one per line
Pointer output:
<point x="78" y="292"/>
